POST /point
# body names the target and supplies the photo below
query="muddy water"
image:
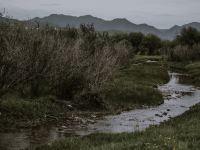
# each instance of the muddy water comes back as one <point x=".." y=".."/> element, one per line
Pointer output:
<point x="178" y="99"/>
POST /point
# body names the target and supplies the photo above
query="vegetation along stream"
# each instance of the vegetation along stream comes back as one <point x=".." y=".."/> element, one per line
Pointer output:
<point x="179" y="97"/>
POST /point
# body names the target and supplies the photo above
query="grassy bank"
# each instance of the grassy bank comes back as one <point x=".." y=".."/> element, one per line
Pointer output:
<point x="191" y="68"/>
<point x="194" y="70"/>
<point x="16" y="112"/>
<point x="136" y="84"/>
<point x="178" y="66"/>
<point x="181" y="133"/>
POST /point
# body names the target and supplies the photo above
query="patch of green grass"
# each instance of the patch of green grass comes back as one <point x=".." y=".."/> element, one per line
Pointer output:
<point x="181" y="133"/>
<point x="144" y="58"/>
<point x="15" y="110"/>
<point x="137" y="84"/>
<point x="194" y="70"/>
<point x="191" y="68"/>
<point x="178" y="66"/>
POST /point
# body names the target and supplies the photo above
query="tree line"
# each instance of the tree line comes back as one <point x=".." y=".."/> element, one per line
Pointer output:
<point x="184" y="47"/>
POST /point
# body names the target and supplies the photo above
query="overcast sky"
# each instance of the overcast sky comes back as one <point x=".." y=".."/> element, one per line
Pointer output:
<point x="159" y="13"/>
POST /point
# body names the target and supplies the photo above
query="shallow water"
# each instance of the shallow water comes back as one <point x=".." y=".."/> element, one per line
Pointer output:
<point x="178" y="99"/>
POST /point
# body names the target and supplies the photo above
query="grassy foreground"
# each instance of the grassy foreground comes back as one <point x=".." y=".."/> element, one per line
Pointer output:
<point x="181" y="133"/>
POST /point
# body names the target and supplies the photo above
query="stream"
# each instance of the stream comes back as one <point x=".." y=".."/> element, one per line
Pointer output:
<point x="178" y="98"/>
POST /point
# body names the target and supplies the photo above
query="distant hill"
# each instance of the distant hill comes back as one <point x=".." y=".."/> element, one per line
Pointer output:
<point x="119" y="24"/>
<point x="3" y="19"/>
<point x="175" y="30"/>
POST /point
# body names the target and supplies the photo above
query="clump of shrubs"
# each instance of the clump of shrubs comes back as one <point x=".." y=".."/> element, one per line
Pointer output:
<point x="69" y="63"/>
<point x="186" y="46"/>
<point x="184" y="53"/>
<point x="141" y="44"/>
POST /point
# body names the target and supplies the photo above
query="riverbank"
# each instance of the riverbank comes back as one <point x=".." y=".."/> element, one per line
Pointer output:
<point x="169" y="135"/>
<point x="194" y="70"/>
<point x="177" y="133"/>
<point x="190" y="68"/>
<point x="132" y="87"/>
<point x="180" y="133"/>
<point x="136" y="85"/>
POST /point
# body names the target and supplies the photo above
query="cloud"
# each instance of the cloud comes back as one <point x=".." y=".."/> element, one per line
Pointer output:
<point x="160" y="13"/>
<point x="50" y="4"/>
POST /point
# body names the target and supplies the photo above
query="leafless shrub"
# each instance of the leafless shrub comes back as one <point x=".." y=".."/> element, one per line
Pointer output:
<point x="184" y="53"/>
<point x="65" y="62"/>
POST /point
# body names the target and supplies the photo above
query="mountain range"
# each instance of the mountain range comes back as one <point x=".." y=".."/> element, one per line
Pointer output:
<point x="119" y="24"/>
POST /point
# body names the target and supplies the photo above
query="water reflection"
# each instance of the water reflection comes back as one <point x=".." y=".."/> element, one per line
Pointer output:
<point x="29" y="138"/>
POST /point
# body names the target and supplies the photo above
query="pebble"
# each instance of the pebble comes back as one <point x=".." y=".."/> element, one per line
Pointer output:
<point x="93" y="116"/>
<point x="69" y="106"/>
<point x="158" y="115"/>
<point x="64" y="127"/>
<point x="165" y="114"/>
<point x="91" y="121"/>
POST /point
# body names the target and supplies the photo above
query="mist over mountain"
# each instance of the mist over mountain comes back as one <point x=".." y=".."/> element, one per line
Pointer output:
<point x="118" y="24"/>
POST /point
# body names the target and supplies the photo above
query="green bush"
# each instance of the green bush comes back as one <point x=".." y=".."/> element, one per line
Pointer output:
<point x="151" y="43"/>
<point x="189" y="36"/>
